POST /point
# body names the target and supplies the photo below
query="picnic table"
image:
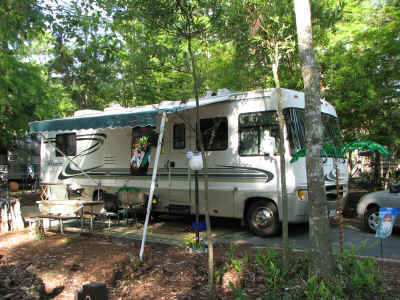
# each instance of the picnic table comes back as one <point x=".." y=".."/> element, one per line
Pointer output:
<point x="68" y="210"/>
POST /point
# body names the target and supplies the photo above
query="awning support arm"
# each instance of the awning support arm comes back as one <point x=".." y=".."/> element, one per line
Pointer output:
<point x="153" y="183"/>
<point x="70" y="160"/>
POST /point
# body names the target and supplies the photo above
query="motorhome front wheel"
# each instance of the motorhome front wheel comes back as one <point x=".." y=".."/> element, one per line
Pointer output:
<point x="262" y="218"/>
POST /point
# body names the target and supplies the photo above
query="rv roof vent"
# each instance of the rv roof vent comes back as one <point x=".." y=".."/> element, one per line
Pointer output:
<point x="113" y="107"/>
<point x="211" y="93"/>
<point x="86" y="112"/>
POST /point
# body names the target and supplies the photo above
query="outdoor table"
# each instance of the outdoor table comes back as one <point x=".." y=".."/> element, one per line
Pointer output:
<point x="91" y="205"/>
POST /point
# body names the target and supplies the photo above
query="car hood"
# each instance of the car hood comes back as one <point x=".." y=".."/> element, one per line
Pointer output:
<point x="376" y="195"/>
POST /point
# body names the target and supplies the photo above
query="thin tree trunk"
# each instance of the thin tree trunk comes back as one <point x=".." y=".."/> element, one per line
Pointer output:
<point x="207" y="215"/>
<point x="284" y="197"/>
<point x="320" y="238"/>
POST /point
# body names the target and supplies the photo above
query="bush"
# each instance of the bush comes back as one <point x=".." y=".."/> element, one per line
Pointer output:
<point x="355" y="277"/>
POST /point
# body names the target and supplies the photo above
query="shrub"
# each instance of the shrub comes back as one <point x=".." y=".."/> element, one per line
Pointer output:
<point x="355" y="277"/>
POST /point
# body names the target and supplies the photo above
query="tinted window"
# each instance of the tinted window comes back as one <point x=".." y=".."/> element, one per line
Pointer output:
<point x="66" y="143"/>
<point x="257" y="131"/>
<point x="215" y="134"/>
<point x="179" y="136"/>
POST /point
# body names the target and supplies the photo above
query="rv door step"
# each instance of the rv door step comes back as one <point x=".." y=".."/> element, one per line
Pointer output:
<point x="175" y="209"/>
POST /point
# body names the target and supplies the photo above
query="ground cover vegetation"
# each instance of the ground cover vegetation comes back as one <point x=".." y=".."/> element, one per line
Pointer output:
<point x="57" y="266"/>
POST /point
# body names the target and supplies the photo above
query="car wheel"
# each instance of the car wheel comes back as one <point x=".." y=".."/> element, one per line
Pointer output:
<point x="262" y="218"/>
<point x="371" y="219"/>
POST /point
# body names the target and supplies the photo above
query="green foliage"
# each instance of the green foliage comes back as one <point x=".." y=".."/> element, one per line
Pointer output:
<point x="358" y="276"/>
<point x="236" y="262"/>
<point x="55" y="59"/>
<point x="360" y="69"/>
<point x="276" y="277"/>
<point x="355" y="277"/>
<point x="39" y="232"/>
<point x="25" y="93"/>
<point x="238" y="292"/>
<point x="193" y="246"/>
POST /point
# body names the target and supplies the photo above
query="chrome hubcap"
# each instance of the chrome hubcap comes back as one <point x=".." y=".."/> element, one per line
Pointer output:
<point x="373" y="221"/>
<point x="263" y="217"/>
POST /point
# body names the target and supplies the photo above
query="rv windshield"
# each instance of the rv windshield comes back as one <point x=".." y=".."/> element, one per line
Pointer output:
<point x="294" y="118"/>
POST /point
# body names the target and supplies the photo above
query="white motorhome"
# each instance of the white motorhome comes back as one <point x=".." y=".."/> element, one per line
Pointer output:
<point x="114" y="149"/>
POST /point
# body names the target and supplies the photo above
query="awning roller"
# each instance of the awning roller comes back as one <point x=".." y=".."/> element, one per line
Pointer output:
<point x="133" y="119"/>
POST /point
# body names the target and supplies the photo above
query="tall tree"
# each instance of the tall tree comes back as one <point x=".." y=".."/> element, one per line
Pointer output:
<point x="320" y="238"/>
<point x="185" y="22"/>
<point x="84" y="54"/>
<point x="361" y="67"/>
<point x="273" y="28"/>
<point x="23" y="90"/>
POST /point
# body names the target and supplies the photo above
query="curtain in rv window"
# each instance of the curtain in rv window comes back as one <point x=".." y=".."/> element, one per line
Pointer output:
<point x="254" y="130"/>
<point x="66" y="143"/>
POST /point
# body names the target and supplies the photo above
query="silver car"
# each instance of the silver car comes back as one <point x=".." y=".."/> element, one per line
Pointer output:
<point x="3" y="177"/>
<point x="369" y="204"/>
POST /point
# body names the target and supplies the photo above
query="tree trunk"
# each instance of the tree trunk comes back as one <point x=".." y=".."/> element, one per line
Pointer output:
<point x="207" y="215"/>
<point x="320" y="238"/>
<point x="10" y="216"/>
<point x="284" y="197"/>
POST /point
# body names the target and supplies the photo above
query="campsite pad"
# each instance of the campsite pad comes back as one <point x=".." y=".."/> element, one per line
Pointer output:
<point x="168" y="230"/>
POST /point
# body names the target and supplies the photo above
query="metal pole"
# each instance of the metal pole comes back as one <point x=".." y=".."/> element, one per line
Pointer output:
<point x="153" y="183"/>
<point x="196" y="188"/>
<point x="339" y="208"/>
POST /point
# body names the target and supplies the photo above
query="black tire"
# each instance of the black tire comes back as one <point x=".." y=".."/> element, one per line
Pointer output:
<point x="263" y="219"/>
<point x="371" y="218"/>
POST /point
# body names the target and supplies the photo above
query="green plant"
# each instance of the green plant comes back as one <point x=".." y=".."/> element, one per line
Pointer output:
<point x="358" y="276"/>
<point x="135" y="263"/>
<point x="40" y="234"/>
<point x="219" y="272"/>
<point x="141" y="143"/>
<point x="236" y="262"/>
<point x="192" y="245"/>
<point x="317" y="289"/>
<point x="238" y="292"/>
<point x="270" y="263"/>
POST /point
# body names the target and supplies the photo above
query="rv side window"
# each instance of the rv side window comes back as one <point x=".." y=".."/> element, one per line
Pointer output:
<point x="66" y="143"/>
<point x="215" y="134"/>
<point x="179" y="136"/>
<point x="258" y="133"/>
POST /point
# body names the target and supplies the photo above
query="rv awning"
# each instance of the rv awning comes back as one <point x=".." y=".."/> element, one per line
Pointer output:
<point x="129" y="117"/>
<point x="115" y="120"/>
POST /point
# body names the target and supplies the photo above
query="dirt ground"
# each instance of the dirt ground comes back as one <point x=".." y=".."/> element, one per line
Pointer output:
<point x="58" y="266"/>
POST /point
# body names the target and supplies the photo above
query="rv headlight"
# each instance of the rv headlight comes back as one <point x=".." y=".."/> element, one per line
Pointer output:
<point x="302" y="194"/>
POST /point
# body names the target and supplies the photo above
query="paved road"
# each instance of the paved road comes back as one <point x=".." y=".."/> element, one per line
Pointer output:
<point x="354" y="237"/>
